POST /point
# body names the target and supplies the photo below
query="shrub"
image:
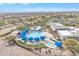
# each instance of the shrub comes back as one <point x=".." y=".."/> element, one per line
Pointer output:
<point x="20" y="27"/>
<point x="10" y="40"/>
<point x="70" y="43"/>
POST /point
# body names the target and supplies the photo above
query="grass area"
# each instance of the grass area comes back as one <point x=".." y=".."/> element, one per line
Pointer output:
<point x="71" y="44"/>
<point x="30" y="45"/>
<point x="76" y="48"/>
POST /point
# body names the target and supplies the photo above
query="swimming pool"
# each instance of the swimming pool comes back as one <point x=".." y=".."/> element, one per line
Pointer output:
<point x="32" y="35"/>
<point x="49" y="43"/>
<point x="55" y="44"/>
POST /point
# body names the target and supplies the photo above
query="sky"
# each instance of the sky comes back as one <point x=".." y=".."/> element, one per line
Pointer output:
<point x="38" y="7"/>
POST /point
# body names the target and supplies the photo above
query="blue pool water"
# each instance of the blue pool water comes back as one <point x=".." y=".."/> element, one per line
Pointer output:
<point x="49" y="44"/>
<point x="34" y="34"/>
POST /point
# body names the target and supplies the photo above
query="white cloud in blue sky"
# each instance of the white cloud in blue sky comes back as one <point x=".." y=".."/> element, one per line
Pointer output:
<point x="38" y="7"/>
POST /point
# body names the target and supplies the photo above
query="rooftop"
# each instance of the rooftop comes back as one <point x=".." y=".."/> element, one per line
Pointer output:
<point x="64" y="32"/>
<point x="57" y="26"/>
<point x="74" y="30"/>
<point x="70" y="33"/>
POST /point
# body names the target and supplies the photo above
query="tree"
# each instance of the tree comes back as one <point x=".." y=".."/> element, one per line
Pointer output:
<point x="20" y="27"/>
<point x="2" y="23"/>
<point x="12" y="21"/>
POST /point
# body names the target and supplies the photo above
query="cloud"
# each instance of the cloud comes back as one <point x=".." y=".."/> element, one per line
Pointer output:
<point x="27" y="8"/>
<point x="25" y="3"/>
<point x="41" y="9"/>
<point x="3" y="4"/>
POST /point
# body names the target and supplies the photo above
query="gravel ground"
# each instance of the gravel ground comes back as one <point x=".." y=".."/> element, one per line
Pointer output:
<point x="13" y="50"/>
<point x="6" y="50"/>
<point x="7" y="30"/>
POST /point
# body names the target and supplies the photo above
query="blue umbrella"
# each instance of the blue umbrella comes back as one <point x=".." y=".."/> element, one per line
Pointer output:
<point x="30" y="38"/>
<point x="22" y="33"/>
<point x="26" y="30"/>
<point x="58" y="43"/>
<point x="42" y="37"/>
<point x="36" y="38"/>
<point x="24" y="38"/>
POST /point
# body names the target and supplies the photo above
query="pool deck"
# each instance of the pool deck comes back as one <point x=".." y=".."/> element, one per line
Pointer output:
<point x="51" y="42"/>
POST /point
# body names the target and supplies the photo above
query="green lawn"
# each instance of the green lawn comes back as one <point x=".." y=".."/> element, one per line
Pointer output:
<point x="30" y="45"/>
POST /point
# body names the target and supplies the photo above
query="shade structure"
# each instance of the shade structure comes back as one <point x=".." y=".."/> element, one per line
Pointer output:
<point x="42" y="37"/>
<point x="30" y="38"/>
<point x="24" y="38"/>
<point x="58" y="43"/>
<point x="36" y="38"/>
<point x="22" y="33"/>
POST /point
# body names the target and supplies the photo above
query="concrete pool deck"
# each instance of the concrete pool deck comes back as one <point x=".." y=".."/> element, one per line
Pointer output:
<point x="50" y="44"/>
